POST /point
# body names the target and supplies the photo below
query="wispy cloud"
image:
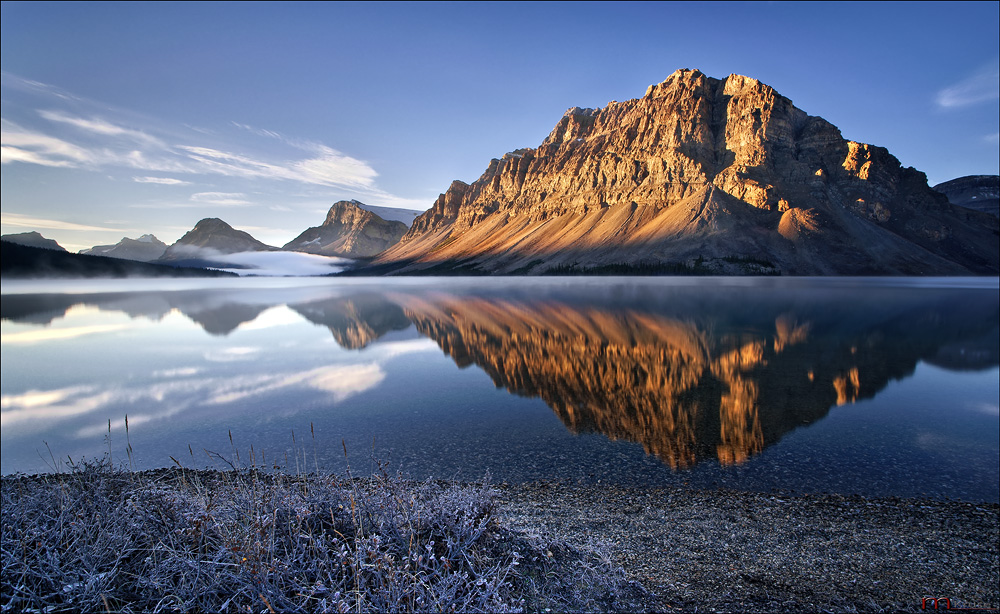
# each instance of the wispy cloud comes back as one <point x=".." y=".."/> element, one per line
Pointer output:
<point x="102" y="127"/>
<point x="43" y="407"/>
<point x="233" y="354"/>
<point x="332" y="168"/>
<point x="982" y="86"/>
<point x="22" y="145"/>
<point x="340" y="382"/>
<point x="259" y="131"/>
<point x="30" y="146"/>
<point x="32" y="337"/>
<point x="161" y="180"/>
<point x="227" y="199"/>
<point x="90" y="135"/>
<point x="24" y="221"/>
<point x="329" y="168"/>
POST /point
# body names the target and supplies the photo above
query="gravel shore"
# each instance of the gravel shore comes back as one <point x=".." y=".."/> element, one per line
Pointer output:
<point x="711" y="551"/>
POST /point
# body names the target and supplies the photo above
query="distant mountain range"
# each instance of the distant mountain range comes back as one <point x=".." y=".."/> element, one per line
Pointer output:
<point x="33" y="239"/>
<point x="26" y="261"/>
<point x="699" y="176"/>
<point x="351" y="230"/>
<point x="144" y="249"/>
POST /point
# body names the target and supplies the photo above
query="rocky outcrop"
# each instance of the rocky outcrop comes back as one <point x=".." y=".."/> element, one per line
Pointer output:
<point x="33" y="239"/>
<point x="349" y="231"/>
<point x="710" y="175"/>
<point x="144" y="249"/>
<point x="210" y="237"/>
<point x="976" y="192"/>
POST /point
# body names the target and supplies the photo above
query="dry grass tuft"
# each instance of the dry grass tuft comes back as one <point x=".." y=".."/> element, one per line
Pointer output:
<point x="97" y="538"/>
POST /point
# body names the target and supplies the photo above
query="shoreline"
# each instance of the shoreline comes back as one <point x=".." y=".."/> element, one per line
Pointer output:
<point x="727" y="550"/>
<point x="693" y="549"/>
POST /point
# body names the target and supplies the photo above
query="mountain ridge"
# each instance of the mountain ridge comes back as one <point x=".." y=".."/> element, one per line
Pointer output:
<point x="146" y="248"/>
<point x="698" y="170"/>
<point x="33" y="239"/>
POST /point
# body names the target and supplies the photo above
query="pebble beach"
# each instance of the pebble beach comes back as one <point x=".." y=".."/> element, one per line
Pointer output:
<point x="725" y="550"/>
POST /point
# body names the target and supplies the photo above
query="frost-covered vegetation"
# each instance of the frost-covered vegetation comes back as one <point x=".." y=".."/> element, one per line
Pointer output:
<point x="99" y="538"/>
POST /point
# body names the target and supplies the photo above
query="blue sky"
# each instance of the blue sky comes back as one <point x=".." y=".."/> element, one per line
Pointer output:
<point x="122" y="119"/>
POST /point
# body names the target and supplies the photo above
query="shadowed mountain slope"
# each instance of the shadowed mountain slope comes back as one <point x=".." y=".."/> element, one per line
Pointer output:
<point x="978" y="192"/>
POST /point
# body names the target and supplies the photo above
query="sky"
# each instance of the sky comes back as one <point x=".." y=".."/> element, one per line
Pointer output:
<point x="122" y="119"/>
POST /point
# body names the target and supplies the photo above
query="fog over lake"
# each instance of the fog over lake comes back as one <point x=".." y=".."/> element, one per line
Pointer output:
<point x="875" y="386"/>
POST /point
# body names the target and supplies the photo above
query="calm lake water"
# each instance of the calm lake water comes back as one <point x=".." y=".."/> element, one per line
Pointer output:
<point x="869" y="386"/>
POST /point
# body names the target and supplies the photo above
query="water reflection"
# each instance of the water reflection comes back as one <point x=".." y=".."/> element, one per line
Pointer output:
<point x="689" y="372"/>
<point x="357" y="320"/>
<point x="720" y="376"/>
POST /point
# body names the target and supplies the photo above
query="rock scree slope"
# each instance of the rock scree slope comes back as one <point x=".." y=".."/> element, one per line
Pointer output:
<point x="700" y="174"/>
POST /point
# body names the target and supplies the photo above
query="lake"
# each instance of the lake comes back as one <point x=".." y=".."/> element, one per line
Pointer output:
<point x="872" y="386"/>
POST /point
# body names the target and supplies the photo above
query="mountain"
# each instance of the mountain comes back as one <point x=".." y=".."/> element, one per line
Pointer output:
<point x="33" y="239"/>
<point x="144" y="249"/>
<point x="979" y="192"/>
<point x="210" y="238"/>
<point x="25" y="261"/>
<point x="699" y="175"/>
<point x="350" y="231"/>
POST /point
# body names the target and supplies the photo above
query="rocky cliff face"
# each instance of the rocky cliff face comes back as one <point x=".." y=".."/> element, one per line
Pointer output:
<point x="349" y="231"/>
<point x="714" y="175"/>
<point x="212" y="236"/>
<point x="144" y="249"/>
<point x="977" y="192"/>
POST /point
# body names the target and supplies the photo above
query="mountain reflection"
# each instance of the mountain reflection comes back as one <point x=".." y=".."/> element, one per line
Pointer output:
<point x="355" y="321"/>
<point x="690" y="372"/>
<point x="702" y="378"/>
